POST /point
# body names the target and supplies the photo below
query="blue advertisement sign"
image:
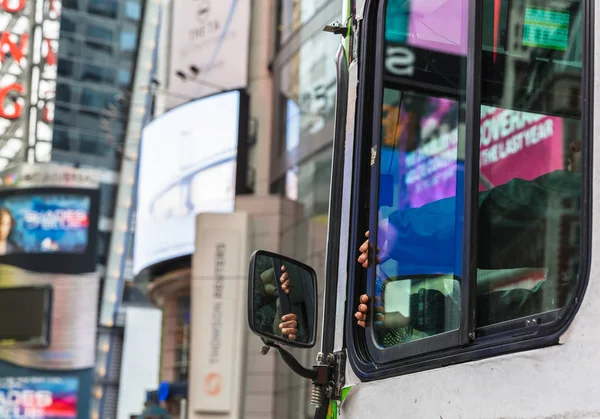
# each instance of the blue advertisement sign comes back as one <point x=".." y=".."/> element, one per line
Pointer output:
<point x="38" y="397"/>
<point x="44" y="223"/>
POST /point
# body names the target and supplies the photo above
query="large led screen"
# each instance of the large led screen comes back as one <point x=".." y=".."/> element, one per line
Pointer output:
<point x="51" y="230"/>
<point x="187" y="166"/>
<point x="44" y="223"/>
<point x="38" y="397"/>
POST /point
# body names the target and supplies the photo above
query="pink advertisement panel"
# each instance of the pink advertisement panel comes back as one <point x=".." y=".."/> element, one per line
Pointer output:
<point x="518" y="145"/>
<point x="513" y="145"/>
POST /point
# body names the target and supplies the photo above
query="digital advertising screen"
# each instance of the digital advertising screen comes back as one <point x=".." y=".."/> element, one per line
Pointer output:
<point x="40" y="228"/>
<point x="38" y="397"/>
<point x="188" y="165"/>
<point x="44" y="223"/>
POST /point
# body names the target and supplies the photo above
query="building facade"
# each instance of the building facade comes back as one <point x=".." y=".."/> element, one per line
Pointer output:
<point x="97" y="57"/>
<point x="291" y="89"/>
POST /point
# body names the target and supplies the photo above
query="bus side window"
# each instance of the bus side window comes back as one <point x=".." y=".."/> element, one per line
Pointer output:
<point x="529" y="200"/>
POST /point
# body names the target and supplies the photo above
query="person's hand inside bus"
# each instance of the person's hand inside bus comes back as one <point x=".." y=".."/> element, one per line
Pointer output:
<point x="363" y="259"/>
<point x="363" y="308"/>
<point x="392" y="320"/>
<point x="285" y="281"/>
<point x="289" y="326"/>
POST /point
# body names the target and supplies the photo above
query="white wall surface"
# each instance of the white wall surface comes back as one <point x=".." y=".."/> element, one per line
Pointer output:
<point x="141" y="359"/>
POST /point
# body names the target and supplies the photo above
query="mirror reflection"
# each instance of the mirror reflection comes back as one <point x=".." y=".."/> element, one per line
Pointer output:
<point x="284" y="300"/>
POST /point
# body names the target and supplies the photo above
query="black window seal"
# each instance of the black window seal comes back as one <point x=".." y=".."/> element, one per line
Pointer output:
<point x="495" y="344"/>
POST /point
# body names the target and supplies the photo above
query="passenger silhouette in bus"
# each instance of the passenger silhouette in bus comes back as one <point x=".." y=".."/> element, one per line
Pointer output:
<point x="267" y="305"/>
<point x="515" y="215"/>
<point x="7" y="223"/>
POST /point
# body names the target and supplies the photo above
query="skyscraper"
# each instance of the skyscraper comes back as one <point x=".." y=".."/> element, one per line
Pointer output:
<point x="98" y="50"/>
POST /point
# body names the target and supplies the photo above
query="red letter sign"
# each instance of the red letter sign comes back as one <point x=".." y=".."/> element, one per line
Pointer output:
<point x="16" y="113"/>
<point x="7" y="7"/>
<point x="17" y="51"/>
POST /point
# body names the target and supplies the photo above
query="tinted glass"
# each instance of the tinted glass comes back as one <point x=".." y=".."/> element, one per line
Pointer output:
<point x="308" y="94"/>
<point x="421" y="190"/>
<point x="530" y="167"/>
<point x="529" y="250"/>
<point x="100" y="33"/>
<point x="133" y="10"/>
<point x="98" y="74"/>
<point x="106" y="8"/>
<point x="128" y="41"/>
<point x="96" y="99"/>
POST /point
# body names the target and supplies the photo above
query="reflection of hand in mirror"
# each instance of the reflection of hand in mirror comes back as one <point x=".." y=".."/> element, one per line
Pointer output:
<point x="289" y="326"/>
<point x="285" y="281"/>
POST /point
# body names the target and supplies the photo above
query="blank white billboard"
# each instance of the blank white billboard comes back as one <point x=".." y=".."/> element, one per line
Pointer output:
<point x="140" y="366"/>
<point x="213" y="36"/>
<point x="187" y="166"/>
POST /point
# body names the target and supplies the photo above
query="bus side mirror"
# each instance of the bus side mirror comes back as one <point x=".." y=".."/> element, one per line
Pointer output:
<point x="282" y="300"/>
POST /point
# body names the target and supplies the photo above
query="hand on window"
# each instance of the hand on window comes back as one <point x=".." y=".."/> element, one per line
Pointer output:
<point x="363" y="308"/>
<point x="363" y="259"/>
<point x="285" y="281"/>
<point x="289" y="326"/>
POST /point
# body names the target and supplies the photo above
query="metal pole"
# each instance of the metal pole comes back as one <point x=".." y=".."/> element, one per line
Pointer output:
<point x="183" y="409"/>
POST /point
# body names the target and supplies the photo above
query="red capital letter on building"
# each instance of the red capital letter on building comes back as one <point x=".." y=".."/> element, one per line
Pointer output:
<point x="51" y="56"/>
<point x="7" y="7"/>
<point x="17" y="51"/>
<point x="16" y="113"/>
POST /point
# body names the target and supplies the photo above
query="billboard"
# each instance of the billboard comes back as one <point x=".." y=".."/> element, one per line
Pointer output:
<point x="426" y="172"/>
<point x="49" y="229"/>
<point x="187" y="166"/>
<point x="38" y="397"/>
<point x="44" y="223"/>
<point x="28" y="81"/>
<point x="212" y="36"/>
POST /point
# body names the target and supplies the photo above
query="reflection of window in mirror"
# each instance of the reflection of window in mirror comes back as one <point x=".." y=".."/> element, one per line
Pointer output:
<point x="530" y="151"/>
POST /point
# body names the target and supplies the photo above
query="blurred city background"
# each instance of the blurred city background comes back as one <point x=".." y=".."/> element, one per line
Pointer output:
<point x="120" y="121"/>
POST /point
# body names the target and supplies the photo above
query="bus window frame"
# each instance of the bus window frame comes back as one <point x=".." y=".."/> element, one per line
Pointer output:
<point x="438" y="342"/>
<point x="496" y="339"/>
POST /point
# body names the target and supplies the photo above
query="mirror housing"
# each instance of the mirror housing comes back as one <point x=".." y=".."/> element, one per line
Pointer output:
<point x="280" y="287"/>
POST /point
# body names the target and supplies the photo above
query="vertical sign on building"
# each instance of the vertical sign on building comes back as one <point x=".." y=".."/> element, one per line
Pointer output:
<point x="218" y="291"/>
<point x="28" y="46"/>
<point x="14" y="39"/>
<point x="44" y="72"/>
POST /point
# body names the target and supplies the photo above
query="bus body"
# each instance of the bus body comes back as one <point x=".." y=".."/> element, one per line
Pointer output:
<point x="466" y="151"/>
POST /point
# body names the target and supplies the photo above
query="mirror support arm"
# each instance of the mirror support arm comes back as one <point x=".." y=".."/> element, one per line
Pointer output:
<point x="289" y="359"/>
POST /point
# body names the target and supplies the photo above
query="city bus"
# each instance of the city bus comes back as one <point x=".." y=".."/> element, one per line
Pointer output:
<point x="459" y="280"/>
